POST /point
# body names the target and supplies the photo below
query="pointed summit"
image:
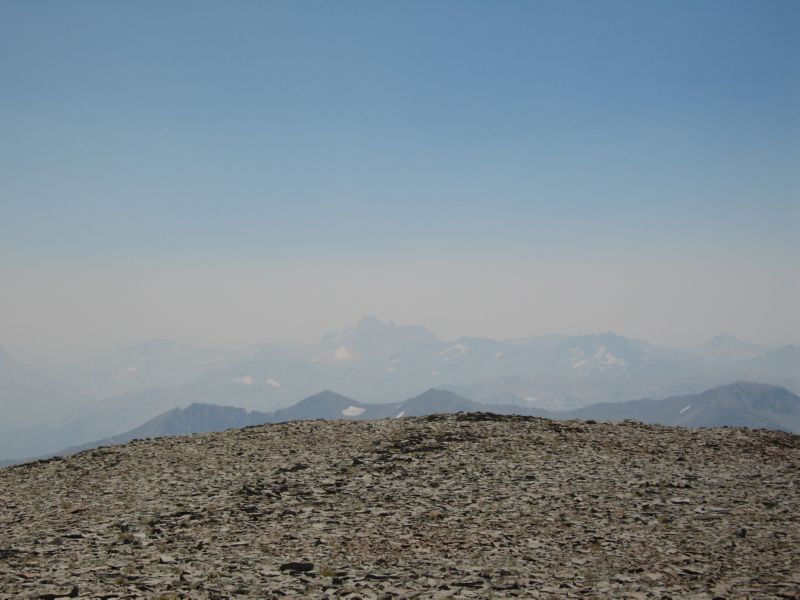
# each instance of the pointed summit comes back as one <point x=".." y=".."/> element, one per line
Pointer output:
<point x="373" y="339"/>
<point x="726" y="346"/>
<point x="436" y="401"/>
<point x="371" y="321"/>
<point x="324" y="405"/>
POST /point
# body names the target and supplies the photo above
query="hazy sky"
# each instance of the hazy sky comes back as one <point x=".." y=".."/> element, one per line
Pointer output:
<point x="232" y="172"/>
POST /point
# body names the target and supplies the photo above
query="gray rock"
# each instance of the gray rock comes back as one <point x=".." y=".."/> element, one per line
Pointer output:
<point x="463" y="506"/>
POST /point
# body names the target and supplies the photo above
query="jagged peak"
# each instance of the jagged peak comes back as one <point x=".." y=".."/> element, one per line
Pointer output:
<point x="326" y="396"/>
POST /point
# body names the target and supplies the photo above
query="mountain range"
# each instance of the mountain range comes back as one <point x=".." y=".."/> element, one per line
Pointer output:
<point x="741" y="404"/>
<point x="43" y="410"/>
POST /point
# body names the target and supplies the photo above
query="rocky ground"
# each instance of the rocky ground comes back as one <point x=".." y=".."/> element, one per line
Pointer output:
<point x="462" y="506"/>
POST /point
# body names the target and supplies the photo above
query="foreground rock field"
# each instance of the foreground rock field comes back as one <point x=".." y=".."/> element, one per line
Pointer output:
<point x="462" y="506"/>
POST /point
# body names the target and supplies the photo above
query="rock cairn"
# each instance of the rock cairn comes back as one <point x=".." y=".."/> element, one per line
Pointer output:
<point x="451" y="506"/>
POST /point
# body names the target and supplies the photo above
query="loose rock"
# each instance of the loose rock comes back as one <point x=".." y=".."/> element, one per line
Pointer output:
<point x="461" y="506"/>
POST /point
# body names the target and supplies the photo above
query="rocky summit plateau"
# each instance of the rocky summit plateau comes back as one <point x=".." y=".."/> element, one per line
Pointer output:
<point x="464" y="506"/>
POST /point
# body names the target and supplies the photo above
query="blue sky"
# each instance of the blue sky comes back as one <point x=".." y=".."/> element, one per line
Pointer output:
<point x="615" y="145"/>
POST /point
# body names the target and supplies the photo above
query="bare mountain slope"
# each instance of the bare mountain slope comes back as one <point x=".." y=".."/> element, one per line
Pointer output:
<point x="464" y="506"/>
<point x="740" y="404"/>
<point x="203" y="418"/>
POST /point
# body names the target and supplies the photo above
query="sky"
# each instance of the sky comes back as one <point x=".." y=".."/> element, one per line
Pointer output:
<point x="225" y="173"/>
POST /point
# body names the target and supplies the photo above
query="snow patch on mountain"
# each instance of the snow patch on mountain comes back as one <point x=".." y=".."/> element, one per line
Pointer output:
<point x="353" y="411"/>
<point x="454" y="351"/>
<point x="341" y="353"/>
<point x="602" y="357"/>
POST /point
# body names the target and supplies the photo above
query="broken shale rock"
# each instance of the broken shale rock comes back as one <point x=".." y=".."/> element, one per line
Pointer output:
<point x="448" y="506"/>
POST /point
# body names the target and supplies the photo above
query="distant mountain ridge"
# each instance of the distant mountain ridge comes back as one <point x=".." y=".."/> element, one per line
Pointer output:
<point x="195" y="418"/>
<point x="26" y="396"/>
<point x="374" y="361"/>
<point x="784" y="359"/>
<point x="740" y="404"/>
<point x="327" y="405"/>
<point x="726" y="347"/>
<point x="372" y="340"/>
